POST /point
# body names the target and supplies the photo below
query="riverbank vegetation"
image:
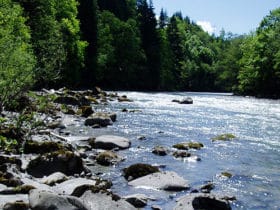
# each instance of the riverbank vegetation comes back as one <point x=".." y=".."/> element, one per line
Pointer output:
<point x="121" y="44"/>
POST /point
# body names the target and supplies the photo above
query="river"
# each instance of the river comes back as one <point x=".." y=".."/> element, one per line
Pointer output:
<point x="253" y="158"/>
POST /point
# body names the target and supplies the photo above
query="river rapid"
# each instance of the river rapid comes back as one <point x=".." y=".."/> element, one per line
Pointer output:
<point x="253" y="158"/>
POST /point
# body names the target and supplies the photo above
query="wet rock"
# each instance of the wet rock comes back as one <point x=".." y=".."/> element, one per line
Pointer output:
<point x="61" y="161"/>
<point x="169" y="181"/>
<point x="137" y="200"/>
<point x="67" y="100"/>
<point x="224" y="137"/>
<point x="226" y="174"/>
<point x="70" y="186"/>
<point x="201" y="201"/>
<point x="85" y="111"/>
<point x="101" y="201"/>
<point x="187" y="100"/>
<point x="156" y="207"/>
<point x="207" y="188"/>
<point x="124" y="99"/>
<point x="56" y="124"/>
<point x="10" y="199"/>
<point x="181" y="154"/>
<point x="113" y="116"/>
<point x="44" y="200"/>
<point x="99" y="118"/>
<point x="160" y="150"/>
<point x="23" y="189"/>
<point x="108" y="158"/>
<point x="109" y="142"/>
<point x="188" y="145"/>
<point x="139" y="170"/>
<point x="54" y="178"/>
<point x="18" y="205"/>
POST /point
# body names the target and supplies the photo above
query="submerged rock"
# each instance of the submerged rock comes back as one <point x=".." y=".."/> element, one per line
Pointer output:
<point x="169" y="181"/>
<point x="160" y="150"/>
<point x="201" y="201"/>
<point x="138" y="170"/>
<point x="187" y="100"/>
<point x="224" y="137"/>
<point x="109" y="142"/>
<point x="188" y="145"/>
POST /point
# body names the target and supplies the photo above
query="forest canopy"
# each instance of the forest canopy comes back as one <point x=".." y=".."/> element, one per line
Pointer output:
<point x="121" y="44"/>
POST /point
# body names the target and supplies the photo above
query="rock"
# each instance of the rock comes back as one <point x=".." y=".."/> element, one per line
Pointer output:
<point x="43" y="200"/>
<point x="138" y="170"/>
<point x="110" y="142"/>
<point x="159" y="150"/>
<point x="41" y="147"/>
<point x="10" y="199"/>
<point x="23" y="189"/>
<point x="169" y="181"/>
<point x="156" y="207"/>
<point x="188" y="145"/>
<point x="187" y="100"/>
<point x="181" y="154"/>
<point x="101" y="201"/>
<point x="67" y="100"/>
<point x="113" y="116"/>
<point x="70" y="186"/>
<point x="85" y="111"/>
<point x="137" y="200"/>
<point x="226" y="174"/>
<point x="54" y="178"/>
<point x="207" y="188"/>
<point x="56" y="124"/>
<point x="99" y="118"/>
<point x="201" y="201"/>
<point x="18" y="205"/>
<point x="61" y="161"/>
<point x="108" y="158"/>
<point x="224" y="137"/>
<point x="124" y="99"/>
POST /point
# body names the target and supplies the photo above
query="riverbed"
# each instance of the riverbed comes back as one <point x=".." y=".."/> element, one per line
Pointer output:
<point x="253" y="158"/>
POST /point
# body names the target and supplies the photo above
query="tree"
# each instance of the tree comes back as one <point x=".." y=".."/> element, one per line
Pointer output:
<point x="16" y="57"/>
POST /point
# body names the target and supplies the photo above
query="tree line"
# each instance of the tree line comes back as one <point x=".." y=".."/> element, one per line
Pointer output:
<point x="121" y="44"/>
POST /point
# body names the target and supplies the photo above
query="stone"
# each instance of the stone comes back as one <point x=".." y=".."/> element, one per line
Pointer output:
<point x="99" y="118"/>
<point x="207" y="187"/>
<point x="9" y="199"/>
<point x="54" y="178"/>
<point x="68" y="187"/>
<point x="137" y="200"/>
<point x="181" y="154"/>
<point x="43" y="200"/>
<point x="160" y="150"/>
<point x="41" y="147"/>
<point x="224" y="137"/>
<point x="169" y="181"/>
<point x="139" y="170"/>
<point x="187" y="100"/>
<point x="109" y="142"/>
<point x="201" y="201"/>
<point x="18" y="205"/>
<point x="124" y="99"/>
<point x="108" y="158"/>
<point x="65" y="162"/>
<point x="67" y="100"/>
<point x="101" y="201"/>
<point x="85" y="111"/>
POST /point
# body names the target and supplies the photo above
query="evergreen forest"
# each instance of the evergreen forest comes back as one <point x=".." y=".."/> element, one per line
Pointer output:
<point x="122" y="45"/>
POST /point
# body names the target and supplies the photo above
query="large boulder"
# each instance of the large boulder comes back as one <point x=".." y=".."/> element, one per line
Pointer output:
<point x="109" y="142"/>
<point x="101" y="201"/>
<point x="201" y="201"/>
<point x="169" y="181"/>
<point x="43" y="200"/>
<point x="65" y="162"/>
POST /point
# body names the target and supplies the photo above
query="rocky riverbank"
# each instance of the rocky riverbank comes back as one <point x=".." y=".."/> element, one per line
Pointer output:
<point x="42" y="166"/>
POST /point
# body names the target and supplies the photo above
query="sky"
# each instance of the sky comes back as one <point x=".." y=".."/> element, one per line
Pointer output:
<point x="236" y="16"/>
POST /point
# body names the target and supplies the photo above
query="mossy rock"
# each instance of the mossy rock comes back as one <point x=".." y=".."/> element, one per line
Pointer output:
<point x="226" y="174"/>
<point x="181" y="154"/>
<point x="139" y="170"/>
<point x="159" y="150"/>
<point x="9" y="180"/>
<point x="66" y="162"/>
<point x="107" y="158"/>
<point x="188" y="145"/>
<point x="33" y="147"/>
<point x="224" y="137"/>
<point x="22" y="189"/>
<point x="18" y="205"/>
<point x="85" y="111"/>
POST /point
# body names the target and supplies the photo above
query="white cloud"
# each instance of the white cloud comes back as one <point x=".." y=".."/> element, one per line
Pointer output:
<point x="206" y="26"/>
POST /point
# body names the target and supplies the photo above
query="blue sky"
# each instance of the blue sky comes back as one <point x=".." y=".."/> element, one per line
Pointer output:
<point x="236" y="16"/>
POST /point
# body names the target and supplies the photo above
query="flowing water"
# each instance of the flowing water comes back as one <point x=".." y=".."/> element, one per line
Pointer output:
<point x="253" y="158"/>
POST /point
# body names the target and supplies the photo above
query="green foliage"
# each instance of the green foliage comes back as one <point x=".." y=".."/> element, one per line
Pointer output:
<point x="16" y="57"/>
<point x="7" y="144"/>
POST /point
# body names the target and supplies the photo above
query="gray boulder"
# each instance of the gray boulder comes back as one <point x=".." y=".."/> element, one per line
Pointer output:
<point x="54" y="178"/>
<point x="101" y="201"/>
<point x="169" y="181"/>
<point x="43" y="200"/>
<point x="99" y="118"/>
<point x="109" y="142"/>
<point x="201" y="201"/>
